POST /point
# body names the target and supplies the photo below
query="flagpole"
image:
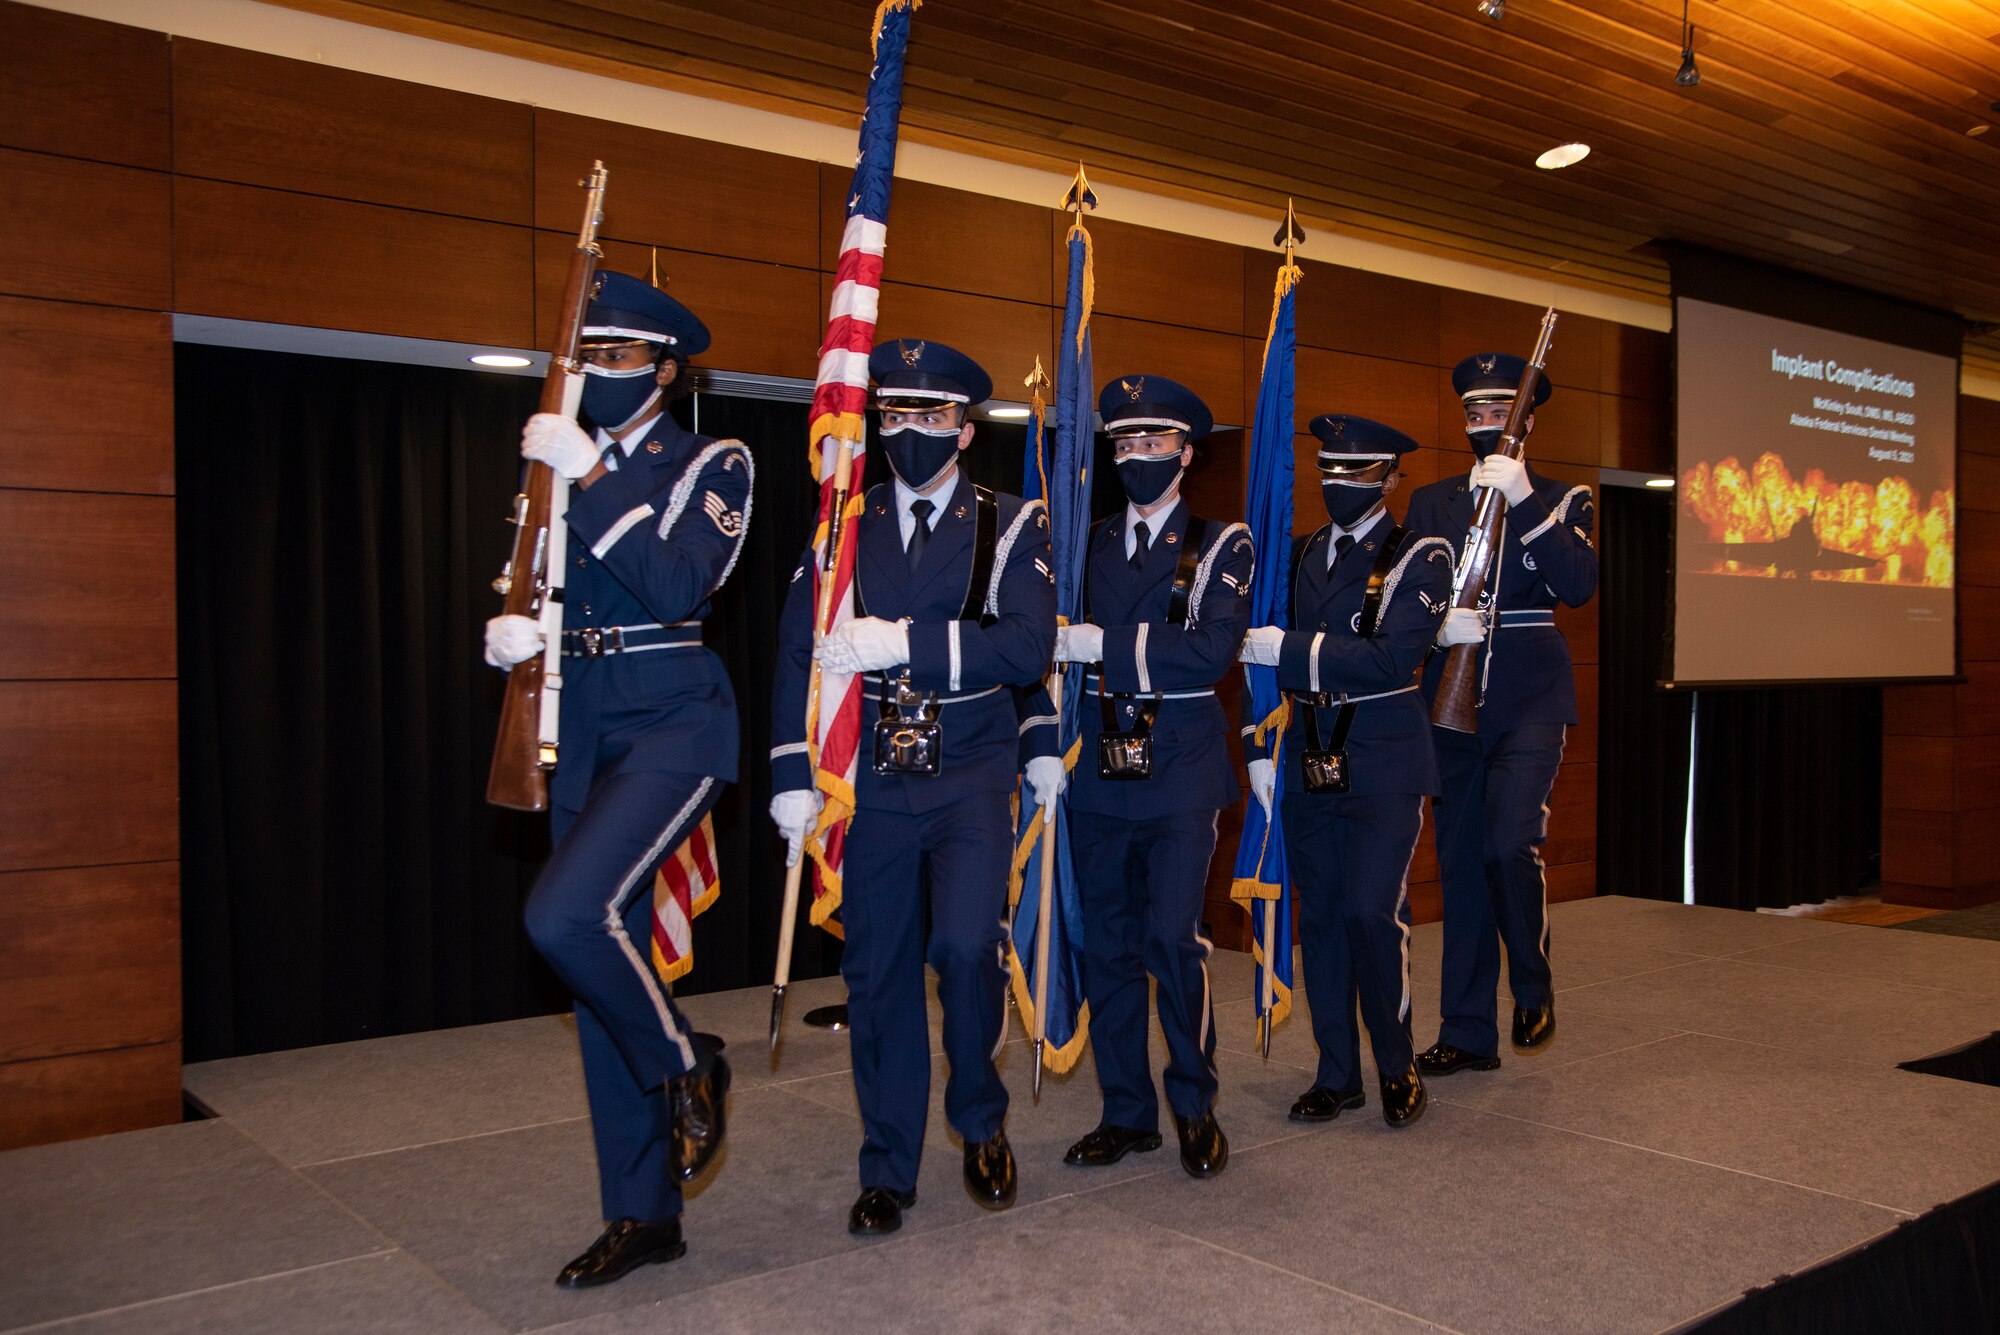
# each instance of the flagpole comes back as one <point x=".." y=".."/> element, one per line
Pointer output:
<point x="1290" y="236"/>
<point x="1047" y="903"/>
<point x="843" y="467"/>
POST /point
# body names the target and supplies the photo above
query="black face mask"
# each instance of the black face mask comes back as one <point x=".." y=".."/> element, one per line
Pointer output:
<point x="1146" y="480"/>
<point x="919" y="455"/>
<point x="1485" y="440"/>
<point x="1348" y="503"/>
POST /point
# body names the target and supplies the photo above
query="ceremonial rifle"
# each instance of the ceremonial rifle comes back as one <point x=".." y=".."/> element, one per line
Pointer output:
<point x="525" y="750"/>
<point x="1457" y="704"/>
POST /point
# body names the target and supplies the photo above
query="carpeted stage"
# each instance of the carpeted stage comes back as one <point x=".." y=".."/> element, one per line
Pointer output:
<point x="1721" y="1106"/>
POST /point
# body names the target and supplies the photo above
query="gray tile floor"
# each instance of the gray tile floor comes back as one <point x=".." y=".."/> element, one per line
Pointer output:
<point x="1720" y="1106"/>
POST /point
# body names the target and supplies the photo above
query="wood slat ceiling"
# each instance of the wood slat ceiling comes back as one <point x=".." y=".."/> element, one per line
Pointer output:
<point x="1828" y="137"/>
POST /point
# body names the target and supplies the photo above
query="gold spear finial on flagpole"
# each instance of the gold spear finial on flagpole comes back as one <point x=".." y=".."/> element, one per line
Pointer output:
<point x="1289" y="235"/>
<point x="1037" y="382"/>
<point x="1079" y="196"/>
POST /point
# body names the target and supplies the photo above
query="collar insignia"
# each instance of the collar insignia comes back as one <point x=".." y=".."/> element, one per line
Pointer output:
<point x="654" y="447"/>
<point x="1173" y="538"/>
<point x="958" y="513"/>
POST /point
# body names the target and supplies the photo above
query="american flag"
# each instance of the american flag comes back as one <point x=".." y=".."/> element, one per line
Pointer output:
<point x="685" y="885"/>
<point x="840" y="394"/>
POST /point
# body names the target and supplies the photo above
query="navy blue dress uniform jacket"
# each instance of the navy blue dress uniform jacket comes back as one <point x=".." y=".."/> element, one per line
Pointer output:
<point x="1544" y="557"/>
<point x="1144" y="655"/>
<point x="648" y="544"/>
<point x="1389" y="744"/>
<point x="971" y="667"/>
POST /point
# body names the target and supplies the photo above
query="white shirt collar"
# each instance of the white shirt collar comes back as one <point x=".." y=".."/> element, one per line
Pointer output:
<point x="1374" y="517"/>
<point x="1155" y="526"/>
<point x="631" y="441"/>
<point x="941" y="494"/>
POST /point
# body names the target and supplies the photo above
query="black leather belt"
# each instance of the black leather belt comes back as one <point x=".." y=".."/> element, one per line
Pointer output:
<point x="598" y="641"/>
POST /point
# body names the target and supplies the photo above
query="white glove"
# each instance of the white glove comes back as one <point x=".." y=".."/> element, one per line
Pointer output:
<point x="1264" y="783"/>
<point x="1507" y="476"/>
<point x="555" y="440"/>
<point x="865" y="644"/>
<point x="796" y="812"/>
<point x="1462" y="625"/>
<point x="1080" y="643"/>
<point x="512" y="639"/>
<point x="1261" y="646"/>
<point x="1047" y="777"/>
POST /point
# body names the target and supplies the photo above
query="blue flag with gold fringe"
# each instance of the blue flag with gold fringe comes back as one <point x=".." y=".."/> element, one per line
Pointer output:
<point x="1061" y="476"/>
<point x="1262" y="884"/>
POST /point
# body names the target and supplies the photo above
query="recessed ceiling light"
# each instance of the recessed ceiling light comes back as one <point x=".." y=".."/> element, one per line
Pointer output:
<point x="1978" y="130"/>
<point x="1562" y="155"/>
<point x="1008" y="412"/>
<point x="1659" y="482"/>
<point x="506" y="359"/>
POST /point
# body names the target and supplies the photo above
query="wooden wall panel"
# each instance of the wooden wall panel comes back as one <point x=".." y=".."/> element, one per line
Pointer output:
<point x="1978" y="480"/>
<point x="1346" y="310"/>
<point x="125" y="440"/>
<point x="953" y="239"/>
<point x="1571" y="880"/>
<point x="1147" y="274"/>
<point x="1636" y="363"/>
<point x="264" y="120"/>
<point x="82" y="88"/>
<point x="92" y="1094"/>
<point x="1916" y="847"/>
<point x="256" y="254"/>
<point x="1580" y="744"/>
<point x="1210" y="364"/>
<point x="756" y="313"/>
<point x="1005" y="337"/>
<point x="92" y="773"/>
<point x="118" y="257"/>
<point x="1919" y="772"/>
<point x="1634" y="434"/>
<point x="1470" y="322"/>
<point x="89" y="585"/>
<point x="1976" y="706"/>
<point x="1978" y="426"/>
<point x="1397" y="394"/>
<point x="1914" y="711"/>
<point x="1573" y="824"/>
<point x="1978" y="623"/>
<point x="115" y="985"/>
<point x="1978" y="547"/>
<point x="672" y="190"/>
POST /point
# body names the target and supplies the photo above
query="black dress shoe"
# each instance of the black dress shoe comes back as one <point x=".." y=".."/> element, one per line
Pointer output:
<point x="621" y="1249"/>
<point x="1534" y="1025"/>
<point x="1320" y="1104"/>
<point x="1404" y="1099"/>
<point x="1108" y="1144"/>
<point x="1443" y="1059"/>
<point x="1204" y="1149"/>
<point x="879" y="1211"/>
<point x="989" y="1172"/>
<point x="699" y="1110"/>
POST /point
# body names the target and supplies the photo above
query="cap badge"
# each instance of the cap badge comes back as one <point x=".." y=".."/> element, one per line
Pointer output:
<point x="1487" y="363"/>
<point x="1340" y="428"/>
<point x="1133" y="387"/>
<point x="911" y="356"/>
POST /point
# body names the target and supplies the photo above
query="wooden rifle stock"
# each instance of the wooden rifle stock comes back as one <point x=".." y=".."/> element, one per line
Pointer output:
<point x="521" y="758"/>
<point x="1457" y="703"/>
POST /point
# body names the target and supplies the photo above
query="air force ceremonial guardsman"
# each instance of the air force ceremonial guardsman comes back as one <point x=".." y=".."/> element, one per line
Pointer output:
<point x="656" y="519"/>
<point x="955" y="605"/>
<point x="1166" y="605"/>
<point x="1492" y="816"/>
<point x="1366" y="599"/>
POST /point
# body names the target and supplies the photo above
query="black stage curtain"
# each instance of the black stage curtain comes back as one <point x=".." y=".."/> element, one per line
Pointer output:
<point x="1642" y="731"/>
<point x="343" y="877"/>
<point x="1930" y="1274"/>
<point x="1788" y="794"/>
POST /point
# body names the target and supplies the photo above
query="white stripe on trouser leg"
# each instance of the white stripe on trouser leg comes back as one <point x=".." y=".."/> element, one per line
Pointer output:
<point x="1402" y="905"/>
<point x="1000" y="958"/>
<point x="614" y="921"/>
<point x="1207" y="949"/>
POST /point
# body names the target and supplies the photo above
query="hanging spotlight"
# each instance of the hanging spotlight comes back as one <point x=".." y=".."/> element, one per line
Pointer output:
<point x="1689" y="74"/>
<point x="1493" y="9"/>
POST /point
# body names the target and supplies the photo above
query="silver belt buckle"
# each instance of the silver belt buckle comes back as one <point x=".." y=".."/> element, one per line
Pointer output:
<point x="599" y="642"/>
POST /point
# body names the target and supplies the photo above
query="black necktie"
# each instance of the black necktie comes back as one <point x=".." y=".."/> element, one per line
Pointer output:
<point x="1139" y="536"/>
<point x="1341" y="547"/>
<point x="920" y="510"/>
